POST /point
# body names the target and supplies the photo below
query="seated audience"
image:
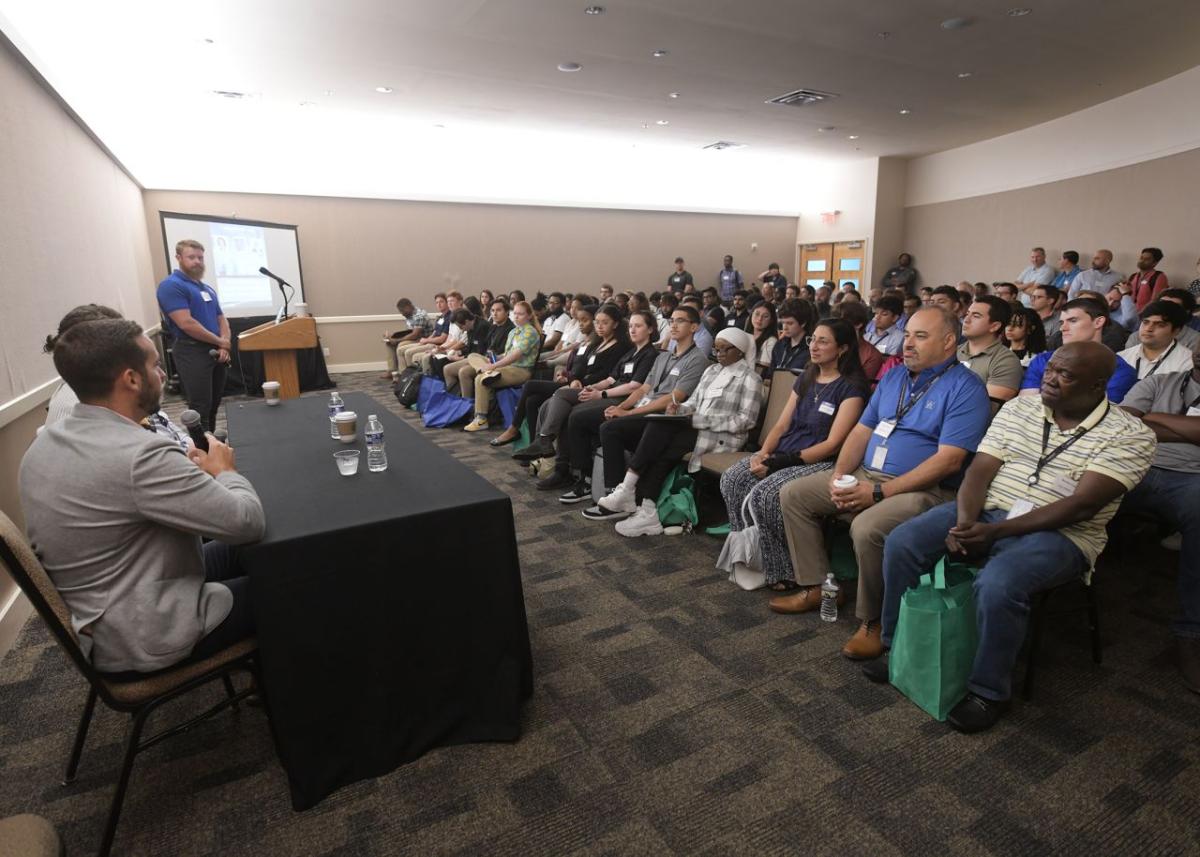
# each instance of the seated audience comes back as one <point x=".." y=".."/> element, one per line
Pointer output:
<point x="948" y="298"/>
<point x="984" y="352"/>
<point x="569" y="335"/>
<point x="1025" y="334"/>
<point x="722" y="410"/>
<point x="926" y="295"/>
<point x="1187" y="336"/>
<point x="762" y="327"/>
<point x="606" y="292"/>
<point x="823" y="301"/>
<point x="461" y="372"/>
<point x="982" y="289"/>
<point x="1068" y="271"/>
<point x="887" y="334"/>
<point x="1047" y="478"/>
<point x="796" y="319"/>
<point x="856" y="315"/>
<point x="739" y="314"/>
<point x="1044" y="301"/>
<point x="582" y="412"/>
<point x="513" y="368"/>
<point x="912" y="303"/>
<point x="1157" y="349"/>
<point x="1083" y="320"/>
<point x="418" y="325"/>
<point x="702" y="338"/>
<point x="907" y="453"/>
<point x="1099" y="278"/>
<point x="408" y="352"/>
<point x="711" y="298"/>
<point x="1005" y="291"/>
<point x="714" y="320"/>
<point x="794" y="292"/>
<point x="621" y="300"/>
<point x="116" y="513"/>
<point x="1169" y="405"/>
<point x="1194" y="285"/>
<point x="662" y="318"/>
<point x="515" y="297"/>
<point x="1147" y="283"/>
<point x="1114" y="335"/>
<point x="1037" y="274"/>
<point x="825" y="403"/>
<point x="458" y="340"/>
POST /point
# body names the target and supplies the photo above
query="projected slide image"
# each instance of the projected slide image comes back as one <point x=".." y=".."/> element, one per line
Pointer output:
<point x="238" y="251"/>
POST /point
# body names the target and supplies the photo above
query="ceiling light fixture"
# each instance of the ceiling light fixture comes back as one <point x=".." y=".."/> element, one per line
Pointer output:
<point x="663" y="122"/>
<point x="658" y="54"/>
<point x="672" y="95"/>
<point x="904" y="111"/>
<point x="594" y="10"/>
<point x="826" y="128"/>
<point x="963" y="75"/>
<point x="1018" y="12"/>
<point x="208" y="41"/>
<point x="852" y="137"/>
<point x="569" y="66"/>
<point x="384" y="89"/>
<point x="957" y="23"/>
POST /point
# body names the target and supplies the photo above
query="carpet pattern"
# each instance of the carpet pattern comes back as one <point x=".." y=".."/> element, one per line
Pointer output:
<point x="672" y="714"/>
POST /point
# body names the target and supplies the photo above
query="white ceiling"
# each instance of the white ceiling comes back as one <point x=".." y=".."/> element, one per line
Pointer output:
<point x="486" y="71"/>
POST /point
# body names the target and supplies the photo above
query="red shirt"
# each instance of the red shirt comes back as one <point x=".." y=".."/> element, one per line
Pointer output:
<point x="1146" y="286"/>
<point x="871" y="358"/>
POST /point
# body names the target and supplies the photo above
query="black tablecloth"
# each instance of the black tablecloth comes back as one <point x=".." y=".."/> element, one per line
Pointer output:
<point x="383" y="630"/>
<point x="246" y="374"/>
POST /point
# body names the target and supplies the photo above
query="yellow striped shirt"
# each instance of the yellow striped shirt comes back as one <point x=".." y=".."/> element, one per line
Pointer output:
<point x="1116" y="445"/>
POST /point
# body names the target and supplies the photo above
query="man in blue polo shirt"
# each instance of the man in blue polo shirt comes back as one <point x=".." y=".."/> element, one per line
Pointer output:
<point x="907" y="454"/>
<point x="194" y="321"/>
<point x="1082" y="320"/>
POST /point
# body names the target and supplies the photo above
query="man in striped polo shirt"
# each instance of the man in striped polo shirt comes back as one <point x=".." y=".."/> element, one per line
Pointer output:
<point x="1048" y="477"/>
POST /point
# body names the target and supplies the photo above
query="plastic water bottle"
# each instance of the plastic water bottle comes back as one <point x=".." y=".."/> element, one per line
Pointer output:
<point x="336" y="406"/>
<point x="829" y="594"/>
<point x="376" y="454"/>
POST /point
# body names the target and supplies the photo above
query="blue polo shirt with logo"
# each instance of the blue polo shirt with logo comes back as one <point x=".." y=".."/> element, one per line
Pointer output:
<point x="952" y="410"/>
<point x="180" y="291"/>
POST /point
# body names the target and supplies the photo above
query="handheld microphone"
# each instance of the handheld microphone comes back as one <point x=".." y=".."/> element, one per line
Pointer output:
<point x="191" y="422"/>
<point x="221" y="435"/>
<point x="214" y="353"/>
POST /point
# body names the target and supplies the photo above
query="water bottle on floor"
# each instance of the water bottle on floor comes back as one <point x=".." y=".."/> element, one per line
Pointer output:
<point x="829" y="595"/>
<point x="336" y="406"/>
<point x="376" y="454"/>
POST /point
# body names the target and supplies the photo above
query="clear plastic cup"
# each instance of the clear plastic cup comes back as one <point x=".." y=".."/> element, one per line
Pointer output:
<point x="347" y="461"/>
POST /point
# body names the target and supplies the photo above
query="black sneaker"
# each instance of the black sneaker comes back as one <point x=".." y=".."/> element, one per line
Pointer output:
<point x="976" y="714"/>
<point x="556" y="479"/>
<point x="540" y="448"/>
<point x="877" y="670"/>
<point x="580" y="491"/>
<point x="599" y="513"/>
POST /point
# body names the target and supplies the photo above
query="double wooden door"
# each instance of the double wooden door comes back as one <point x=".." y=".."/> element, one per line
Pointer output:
<point x="842" y="262"/>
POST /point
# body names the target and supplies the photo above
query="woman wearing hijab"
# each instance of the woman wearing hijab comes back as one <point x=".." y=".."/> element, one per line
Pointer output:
<point x="723" y="408"/>
<point x="825" y="404"/>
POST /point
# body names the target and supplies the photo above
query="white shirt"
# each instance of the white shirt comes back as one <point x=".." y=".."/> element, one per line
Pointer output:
<point x="560" y="323"/>
<point x="1177" y="358"/>
<point x="570" y="334"/>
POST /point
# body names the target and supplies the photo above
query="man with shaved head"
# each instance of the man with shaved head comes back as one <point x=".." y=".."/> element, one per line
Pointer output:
<point x="1099" y="278"/>
<point x="907" y="453"/>
<point x="1048" y="477"/>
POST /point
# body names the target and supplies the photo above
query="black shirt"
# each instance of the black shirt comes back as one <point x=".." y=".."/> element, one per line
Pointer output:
<point x="901" y="276"/>
<point x="737" y="320"/>
<point x="494" y="338"/>
<point x="779" y="281"/>
<point x="635" y="365"/>
<point x="678" y="280"/>
<point x="784" y="355"/>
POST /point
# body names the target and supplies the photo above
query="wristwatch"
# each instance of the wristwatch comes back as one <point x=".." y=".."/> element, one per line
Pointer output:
<point x="877" y="492"/>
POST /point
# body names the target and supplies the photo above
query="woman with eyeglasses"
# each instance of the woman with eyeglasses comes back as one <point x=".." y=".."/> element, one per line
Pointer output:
<point x="825" y="404"/>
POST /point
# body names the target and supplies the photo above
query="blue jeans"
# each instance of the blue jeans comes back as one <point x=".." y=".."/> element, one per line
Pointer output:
<point x="1017" y="568"/>
<point x="1175" y="498"/>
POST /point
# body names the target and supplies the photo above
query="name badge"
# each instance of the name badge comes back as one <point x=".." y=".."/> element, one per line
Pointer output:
<point x="1193" y="411"/>
<point x="885" y="428"/>
<point x="826" y="408"/>
<point x="674" y="371"/>
<point x="591" y="359"/>
<point x="731" y="323"/>
<point x="1019" y="508"/>
<point x="628" y="368"/>
<point x="878" y="457"/>
<point x="207" y="297"/>
<point x="582" y="349"/>
<point x="1064" y="485"/>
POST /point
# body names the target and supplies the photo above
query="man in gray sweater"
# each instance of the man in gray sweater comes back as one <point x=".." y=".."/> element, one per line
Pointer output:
<point x="116" y="512"/>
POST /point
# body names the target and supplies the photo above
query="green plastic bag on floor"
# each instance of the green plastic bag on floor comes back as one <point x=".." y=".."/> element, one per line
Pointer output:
<point x="677" y="499"/>
<point x="523" y="438"/>
<point x="841" y="555"/>
<point x="935" y="640"/>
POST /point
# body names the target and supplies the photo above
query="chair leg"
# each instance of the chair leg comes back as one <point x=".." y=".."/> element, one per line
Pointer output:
<point x="1035" y="640"/>
<point x="80" y="737"/>
<point x="132" y="739"/>
<point x="1094" y="623"/>
<point x="229" y="691"/>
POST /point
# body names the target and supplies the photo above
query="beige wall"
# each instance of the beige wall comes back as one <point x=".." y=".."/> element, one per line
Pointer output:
<point x="360" y="255"/>
<point x="987" y="238"/>
<point x="71" y="231"/>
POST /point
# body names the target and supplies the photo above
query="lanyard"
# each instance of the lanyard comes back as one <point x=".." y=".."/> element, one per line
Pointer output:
<point x="1183" y="396"/>
<point x="1154" y="367"/>
<point x="917" y="395"/>
<point x="1061" y="448"/>
<point x="788" y="355"/>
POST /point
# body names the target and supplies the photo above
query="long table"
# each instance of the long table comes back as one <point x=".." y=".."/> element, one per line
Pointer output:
<point x="389" y="610"/>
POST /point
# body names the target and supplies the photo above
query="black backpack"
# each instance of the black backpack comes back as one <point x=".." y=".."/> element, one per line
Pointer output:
<point x="407" y="386"/>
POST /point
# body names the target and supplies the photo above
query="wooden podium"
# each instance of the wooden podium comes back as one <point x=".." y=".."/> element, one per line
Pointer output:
<point x="278" y="343"/>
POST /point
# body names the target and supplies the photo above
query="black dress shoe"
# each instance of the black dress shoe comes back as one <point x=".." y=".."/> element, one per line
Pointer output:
<point x="496" y="441"/>
<point x="557" y="479"/>
<point x="540" y="448"/>
<point x="976" y="714"/>
<point x="877" y="670"/>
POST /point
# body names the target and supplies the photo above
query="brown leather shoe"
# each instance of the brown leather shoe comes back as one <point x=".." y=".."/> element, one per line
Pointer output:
<point x="1189" y="661"/>
<point x="803" y="600"/>
<point x="866" y="644"/>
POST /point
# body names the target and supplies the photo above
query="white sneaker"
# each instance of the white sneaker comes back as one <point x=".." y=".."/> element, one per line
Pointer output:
<point x="620" y="499"/>
<point x="1173" y="542"/>
<point x="644" y="522"/>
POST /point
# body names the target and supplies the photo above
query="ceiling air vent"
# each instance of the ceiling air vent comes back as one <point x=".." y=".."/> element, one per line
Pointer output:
<point x="721" y="145"/>
<point x="801" y="98"/>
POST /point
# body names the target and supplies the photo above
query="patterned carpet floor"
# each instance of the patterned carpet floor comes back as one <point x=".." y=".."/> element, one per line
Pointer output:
<point x="672" y="714"/>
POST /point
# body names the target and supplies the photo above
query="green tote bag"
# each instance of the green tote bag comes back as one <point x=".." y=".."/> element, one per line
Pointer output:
<point x="676" y="501"/>
<point x="934" y="644"/>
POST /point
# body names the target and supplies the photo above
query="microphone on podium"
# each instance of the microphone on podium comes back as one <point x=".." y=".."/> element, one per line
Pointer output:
<point x="191" y="422"/>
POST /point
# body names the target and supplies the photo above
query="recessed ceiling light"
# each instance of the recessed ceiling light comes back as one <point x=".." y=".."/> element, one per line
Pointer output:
<point x="827" y="128"/>
<point x="384" y="89"/>
<point x="594" y="10"/>
<point x="963" y="75"/>
<point x="852" y="137"/>
<point x="1018" y="12"/>
<point x="904" y="111"/>
<point x="569" y="66"/>
<point x="663" y="122"/>
<point x="672" y="95"/>
<point x="208" y="41"/>
<point x="957" y="23"/>
<point x="660" y="53"/>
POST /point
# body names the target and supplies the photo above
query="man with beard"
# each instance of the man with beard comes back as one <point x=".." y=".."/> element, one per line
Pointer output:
<point x="194" y="322"/>
<point x="117" y="512"/>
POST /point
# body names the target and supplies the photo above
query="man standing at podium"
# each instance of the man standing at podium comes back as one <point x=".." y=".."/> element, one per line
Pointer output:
<point x="194" y="322"/>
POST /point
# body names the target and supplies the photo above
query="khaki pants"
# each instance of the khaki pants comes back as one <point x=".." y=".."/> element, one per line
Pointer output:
<point x="806" y="503"/>
<point x="460" y="374"/>
<point x="408" y="352"/>
<point x="391" y="357"/>
<point x="510" y="376"/>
